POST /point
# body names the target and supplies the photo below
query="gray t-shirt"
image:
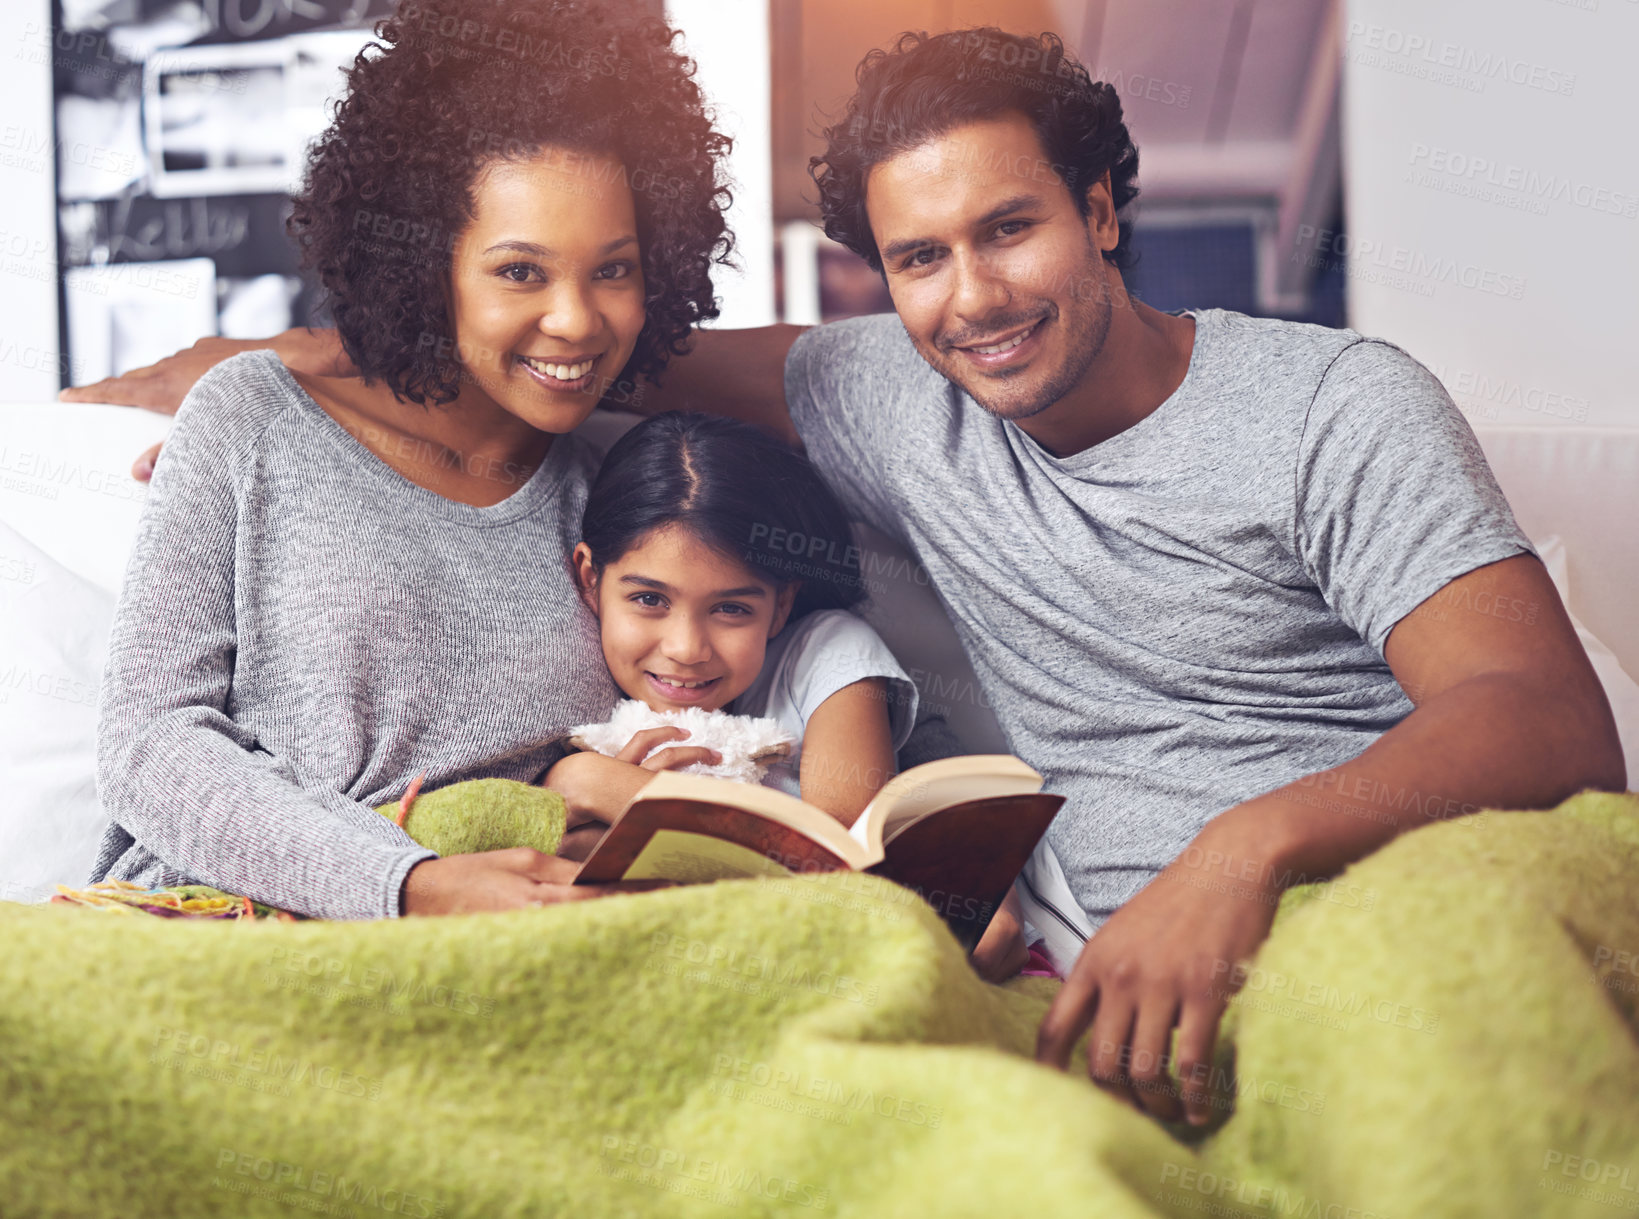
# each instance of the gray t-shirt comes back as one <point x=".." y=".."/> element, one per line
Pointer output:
<point x="808" y="662"/>
<point x="1193" y="612"/>
<point x="302" y="630"/>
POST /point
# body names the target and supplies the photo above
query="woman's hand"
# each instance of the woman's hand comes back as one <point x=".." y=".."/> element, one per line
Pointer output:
<point x="1001" y="951"/>
<point x="513" y="879"/>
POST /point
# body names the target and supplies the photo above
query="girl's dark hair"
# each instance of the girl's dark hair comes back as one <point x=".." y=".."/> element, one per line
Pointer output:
<point x="452" y="85"/>
<point x="924" y="87"/>
<point x="739" y="491"/>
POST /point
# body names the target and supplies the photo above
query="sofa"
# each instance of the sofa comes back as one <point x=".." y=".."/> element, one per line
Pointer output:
<point x="69" y="512"/>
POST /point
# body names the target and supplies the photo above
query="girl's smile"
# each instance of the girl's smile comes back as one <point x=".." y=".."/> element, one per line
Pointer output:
<point x="680" y="690"/>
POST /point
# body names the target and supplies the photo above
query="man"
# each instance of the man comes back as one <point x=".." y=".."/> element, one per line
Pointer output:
<point x="1245" y="591"/>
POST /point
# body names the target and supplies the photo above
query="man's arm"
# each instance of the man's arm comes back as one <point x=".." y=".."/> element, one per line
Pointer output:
<point x="161" y="386"/>
<point x="737" y="373"/>
<point x="1508" y="714"/>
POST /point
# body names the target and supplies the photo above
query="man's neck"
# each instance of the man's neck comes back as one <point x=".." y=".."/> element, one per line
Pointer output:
<point x="1145" y="357"/>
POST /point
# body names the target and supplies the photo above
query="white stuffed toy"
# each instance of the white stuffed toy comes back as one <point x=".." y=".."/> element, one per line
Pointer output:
<point x="746" y="743"/>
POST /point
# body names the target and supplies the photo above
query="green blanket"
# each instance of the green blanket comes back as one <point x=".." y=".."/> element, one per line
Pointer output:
<point x="1452" y="1031"/>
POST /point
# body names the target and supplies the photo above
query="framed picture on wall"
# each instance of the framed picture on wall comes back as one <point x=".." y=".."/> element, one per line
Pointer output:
<point x="236" y="118"/>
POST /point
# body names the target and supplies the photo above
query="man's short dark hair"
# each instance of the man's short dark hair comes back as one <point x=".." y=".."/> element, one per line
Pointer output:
<point x="924" y="87"/>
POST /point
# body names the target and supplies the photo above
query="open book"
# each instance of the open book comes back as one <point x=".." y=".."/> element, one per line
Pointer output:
<point x="957" y="831"/>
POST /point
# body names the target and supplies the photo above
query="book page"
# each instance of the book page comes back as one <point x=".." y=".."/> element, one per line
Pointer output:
<point x="765" y="802"/>
<point x="907" y="798"/>
<point x="695" y="858"/>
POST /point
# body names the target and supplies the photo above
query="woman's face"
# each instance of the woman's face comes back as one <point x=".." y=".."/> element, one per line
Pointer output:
<point x="682" y="625"/>
<point x="546" y="285"/>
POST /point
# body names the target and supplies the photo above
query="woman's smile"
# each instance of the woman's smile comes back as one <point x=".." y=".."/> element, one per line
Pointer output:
<point x="572" y="375"/>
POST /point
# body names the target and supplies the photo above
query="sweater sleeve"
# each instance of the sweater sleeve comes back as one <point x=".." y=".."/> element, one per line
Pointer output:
<point x="173" y="768"/>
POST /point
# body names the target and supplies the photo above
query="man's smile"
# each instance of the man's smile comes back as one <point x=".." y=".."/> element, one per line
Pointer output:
<point x="1005" y="350"/>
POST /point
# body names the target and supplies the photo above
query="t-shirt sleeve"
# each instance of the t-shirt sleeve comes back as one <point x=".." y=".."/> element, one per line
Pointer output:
<point x="840" y="405"/>
<point x="838" y="650"/>
<point x="1394" y="497"/>
<point x="174" y="769"/>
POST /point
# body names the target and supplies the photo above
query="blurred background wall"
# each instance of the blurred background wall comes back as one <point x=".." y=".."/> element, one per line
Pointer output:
<point x="1493" y="200"/>
<point x="1459" y="178"/>
<point x="29" y="347"/>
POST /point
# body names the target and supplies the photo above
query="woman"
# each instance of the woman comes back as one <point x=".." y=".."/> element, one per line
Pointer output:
<point x="343" y="582"/>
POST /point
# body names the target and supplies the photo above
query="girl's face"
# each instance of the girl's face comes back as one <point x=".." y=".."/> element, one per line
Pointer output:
<point x="682" y="624"/>
<point x="546" y="285"/>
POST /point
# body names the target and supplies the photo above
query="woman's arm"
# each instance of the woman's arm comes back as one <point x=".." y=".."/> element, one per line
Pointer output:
<point x="198" y="789"/>
<point x="194" y="786"/>
<point x="847" y="749"/>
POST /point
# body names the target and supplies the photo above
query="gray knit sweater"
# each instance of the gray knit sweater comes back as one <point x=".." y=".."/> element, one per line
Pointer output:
<point x="302" y="630"/>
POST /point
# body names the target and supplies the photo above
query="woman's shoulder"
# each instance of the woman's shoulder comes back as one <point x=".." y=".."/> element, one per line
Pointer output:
<point x="245" y="380"/>
<point x="233" y="404"/>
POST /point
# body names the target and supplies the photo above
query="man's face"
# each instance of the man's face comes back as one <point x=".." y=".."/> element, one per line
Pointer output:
<point x="997" y="277"/>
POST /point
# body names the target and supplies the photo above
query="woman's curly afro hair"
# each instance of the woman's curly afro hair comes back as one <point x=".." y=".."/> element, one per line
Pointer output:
<point x="451" y="85"/>
<point x="925" y="86"/>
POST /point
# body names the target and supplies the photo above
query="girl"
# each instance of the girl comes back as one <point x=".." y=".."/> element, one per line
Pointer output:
<point x="722" y="572"/>
<point x="337" y="580"/>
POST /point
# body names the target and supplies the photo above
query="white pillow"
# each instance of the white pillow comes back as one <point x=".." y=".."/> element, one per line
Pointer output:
<point x="67" y="485"/>
<point x="55" y="630"/>
<point x="1620" y="689"/>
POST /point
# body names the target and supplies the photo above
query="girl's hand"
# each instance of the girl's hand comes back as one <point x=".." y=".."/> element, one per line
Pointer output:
<point x="638" y="748"/>
<point x="1001" y="951"/>
<point x="513" y="879"/>
<point x="596" y="788"/>
<point x="577" y="844"/>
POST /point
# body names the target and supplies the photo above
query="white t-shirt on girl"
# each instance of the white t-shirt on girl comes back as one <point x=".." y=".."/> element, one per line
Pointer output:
<point x="806" y="663"/>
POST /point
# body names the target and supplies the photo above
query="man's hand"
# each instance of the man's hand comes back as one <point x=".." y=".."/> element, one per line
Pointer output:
<point x="1163" y="960"/>
<point x="1509" y="714"/>
<point x="501" y="880"/>
<point x="162" y="386"/>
